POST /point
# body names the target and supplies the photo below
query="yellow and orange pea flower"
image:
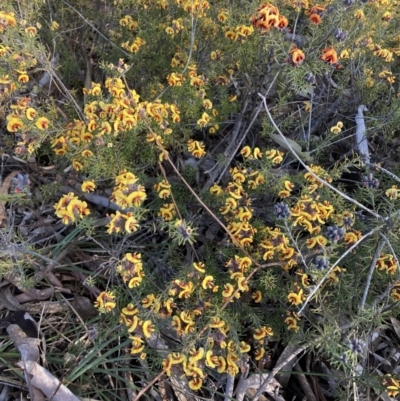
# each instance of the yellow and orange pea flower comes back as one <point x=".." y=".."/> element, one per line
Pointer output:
<point x="14" y="124"/>
<point x="137" y="345"/>
<point x="330" y="56"/>
<point x="105" y="302"/>
<point x="31" y="30"/>
<point x="196" y="148"/>
<point x="393" y="193"/>
<point x="167" y="212"/>
<point x="297" y="56"/>
<point x="261" y="333"/>
<point x="199" y="266"/>
<point x="88" y="186"/>
<point x="246" y="152"/>
<point x="292" y="324"/>
<point x="42" y="123"/>
<point x="30" y="113"/>
<point x="392" y="385"/>
<point x="296" y="298"/>
<point x="216" y="190"/>
<point x="318" y="241"/>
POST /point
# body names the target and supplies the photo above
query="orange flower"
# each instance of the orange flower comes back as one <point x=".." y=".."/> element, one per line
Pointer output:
<point x="315" y="18"/>
<point x="329" y="55"/>
<point x="283" y="22"/>
<point x="297" y="56"/>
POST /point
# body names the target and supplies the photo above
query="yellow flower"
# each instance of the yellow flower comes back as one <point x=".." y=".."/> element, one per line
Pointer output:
<point x="167" y="212"/>
<point x="14" y="124"/>
<point x="42" y="123"/>
<point x="137" y="345"/>
<point x="31" y="31"/>
<point x="393" y="193"/>
<point x="246" y="152"/>
<point x="23" y="78"/>
<point x="87" y="153"/>
<point x="221" y="364"/>
<point x="257" y="153"/>
<point x="216" y="323"/>
<point x="167" y="365"/>
<point x="175" y="79"/>
<point x="207" y="104"/>
<point x="292" y="324"/>
<point x="259" y="353"/>
<point x="244" y="347"/>
<point x="196" y="148"/>
<point x="228" y="291"/>
<point x="307" y="106"/>
<point x="336" y="129"/>
<point x="260" y="334"/>
<point x="176" y="358"/>
<point x="30" y="113"/>
<point x="257" y="296"/>
<point x="88" y="186"/>
<point x="147" y="328"/>
<point x="345" y="53"/>
<point x="359" y="14"/>
<point x="296" y="299"/>
<point x="216" y="190"/>
<point x="163" y="188"/>
<point x="54" y="26"/>
<point x="187" y="290"/>
<point x="314" y="241"/>
<point x="351" y="237"/>
<point x="196" y="383"/>
<point x="242" y="284"/>
<point x="204" y="120"/>
<point x="78" y="166"/>
<point x="392" y="385"/>
<point x="131" y="224"/>
<point x="132" y="324"/>
<point x="148" y="301"/>
<point x="130" y="310"/>
<point x="105" y="302"/>
<point x="196" y="355"/>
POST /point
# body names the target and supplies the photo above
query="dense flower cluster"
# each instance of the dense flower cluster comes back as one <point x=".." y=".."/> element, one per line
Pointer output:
<point x="186" y="93"/>
<point x="131" y="269"/>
